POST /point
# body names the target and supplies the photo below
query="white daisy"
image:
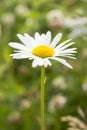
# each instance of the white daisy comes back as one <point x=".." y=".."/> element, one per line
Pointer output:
<point x="41" y="49"/>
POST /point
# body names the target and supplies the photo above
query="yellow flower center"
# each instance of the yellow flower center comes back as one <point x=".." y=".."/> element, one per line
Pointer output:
<point x="43" y="51"/>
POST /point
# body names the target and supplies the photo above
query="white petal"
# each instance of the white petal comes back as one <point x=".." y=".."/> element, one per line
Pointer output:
<point x="18" y="46"/>
<point x="19" y="56"/>
<point x="37" y="36"/>
<point x="27" y="40"/>
<point x="47" y="62"/>
<point x="30" y="39"/>
<point x="65" y="52"/>
<point x="21" y="51"/>
<point x="23" y="39"/>
<point x="48" y="37"/>
<point x="62" y="61"/>
<point x="66" y="55"/>
<point x="40" y="61"/>
<point x="43" y="39"/>
<point x="40" y="39"/>
<point x="56" y="40"/>
<point x="66" y="46"/>
<point x="37" y="62"/>
<point x="70" y="50"/>
<point x="34" y="63"/>
<point x="69" y="57"/>
<point x="61" y="44"/>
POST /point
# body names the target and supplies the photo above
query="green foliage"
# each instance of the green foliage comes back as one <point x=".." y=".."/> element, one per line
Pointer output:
<point x="20" y="83"/>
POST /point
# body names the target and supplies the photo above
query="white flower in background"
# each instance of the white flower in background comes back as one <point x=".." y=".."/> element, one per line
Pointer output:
<point x="25" y="104"/>
<point x="79" y="11"/>
<point x="8" y="18"/>
<point x="77" y="32"/>
<point x="78" y="22"/>
<point x="41" y="49"/>
<point x="59" y="82"/>
<point x="55" y="18"/>
<point x="21" y="10"/>
<point x="77" y="25"/>
<point x="57" y="102"/>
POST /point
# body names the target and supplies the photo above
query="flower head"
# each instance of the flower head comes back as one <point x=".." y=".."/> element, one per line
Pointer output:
<point x="41" y="49"/>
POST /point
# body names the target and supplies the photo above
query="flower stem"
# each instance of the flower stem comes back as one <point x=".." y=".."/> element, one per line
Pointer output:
<point x="42" y="97"/>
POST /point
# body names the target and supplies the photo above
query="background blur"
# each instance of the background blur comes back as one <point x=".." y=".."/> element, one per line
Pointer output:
<point x="66" y="90"/>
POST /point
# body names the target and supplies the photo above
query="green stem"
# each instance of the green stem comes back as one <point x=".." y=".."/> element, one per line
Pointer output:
<point x="42" y="97"/>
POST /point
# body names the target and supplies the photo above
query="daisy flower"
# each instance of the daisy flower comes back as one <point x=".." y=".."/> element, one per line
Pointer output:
<point x="41" y="49"/>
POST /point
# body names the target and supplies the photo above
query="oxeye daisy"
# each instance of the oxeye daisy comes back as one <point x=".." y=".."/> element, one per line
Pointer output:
<point x="41" y="49"/>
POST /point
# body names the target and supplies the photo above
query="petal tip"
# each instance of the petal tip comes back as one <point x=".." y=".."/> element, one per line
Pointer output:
<point x="10" y="43"/>
<point x="18" y="35"/>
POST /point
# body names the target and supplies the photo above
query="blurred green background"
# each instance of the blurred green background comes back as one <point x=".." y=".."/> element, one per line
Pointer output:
<point x="65" y="89"/>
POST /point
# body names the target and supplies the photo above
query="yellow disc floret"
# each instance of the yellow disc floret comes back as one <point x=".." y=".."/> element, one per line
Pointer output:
<point x="43" y="51"/>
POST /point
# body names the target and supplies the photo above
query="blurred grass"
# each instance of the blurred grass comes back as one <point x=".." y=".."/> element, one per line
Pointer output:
<point x="20" y="82"/>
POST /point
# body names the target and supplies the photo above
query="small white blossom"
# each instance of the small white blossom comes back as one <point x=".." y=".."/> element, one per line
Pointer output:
<point x="59" y="82"/>
<point x="73" y="23"/>
<point x="55" y="18"/>
<point x="57" y="102"/>
<point x="77" y="25"/>
<point x="8" y="19"/>
<point x="77" y="32"/>
<point x="21" y="10"/>
<point x="25" y="104"/>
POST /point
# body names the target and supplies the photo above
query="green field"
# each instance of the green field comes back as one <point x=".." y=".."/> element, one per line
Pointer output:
<point x="65" y="89"/>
